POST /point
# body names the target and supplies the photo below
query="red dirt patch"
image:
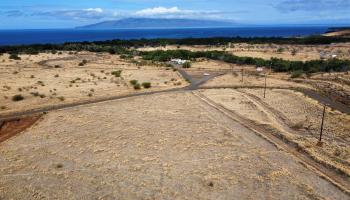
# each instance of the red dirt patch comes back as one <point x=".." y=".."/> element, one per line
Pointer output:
<point x="12" y="127"/>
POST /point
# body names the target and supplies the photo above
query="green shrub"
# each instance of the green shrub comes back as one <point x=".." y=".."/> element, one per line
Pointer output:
<point x="14" y="57"/>
<point x="146" y="85"/>
<point x="187" y="65"/>
<point x="137" y="86"/>
<point x="17" y="97"/>
<point x="117" y="73"/>
<point x="297" y="74"/>
<point x="134" y="82"/>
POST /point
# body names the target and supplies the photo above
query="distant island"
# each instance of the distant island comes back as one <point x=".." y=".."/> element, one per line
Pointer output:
<point x="157" y="23"/>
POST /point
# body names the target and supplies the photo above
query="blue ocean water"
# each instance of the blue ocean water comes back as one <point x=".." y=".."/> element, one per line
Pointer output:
<point x="56" y="36"/>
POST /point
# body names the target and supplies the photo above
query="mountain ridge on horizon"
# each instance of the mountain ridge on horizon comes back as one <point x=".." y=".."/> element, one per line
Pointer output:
<point x="157" y="23"/>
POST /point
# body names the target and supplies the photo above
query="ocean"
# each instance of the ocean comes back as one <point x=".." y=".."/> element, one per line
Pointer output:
<point x="57" y="36"/>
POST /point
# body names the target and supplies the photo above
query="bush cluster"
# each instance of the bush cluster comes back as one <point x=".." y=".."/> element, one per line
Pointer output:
<point x="117" y="73"/>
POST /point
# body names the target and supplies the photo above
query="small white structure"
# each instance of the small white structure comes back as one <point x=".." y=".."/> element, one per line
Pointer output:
<point x="334" y="56"/>
<point x="259" y="69"/>
<point x="178" y="61"/>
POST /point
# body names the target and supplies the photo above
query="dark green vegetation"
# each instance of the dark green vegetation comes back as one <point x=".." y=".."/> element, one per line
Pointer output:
<point x="14" y="57"/>
<point x="146" y="85"/>
<point x="134" y="82"/>
<point x="276" y="64"/>
<point x="297" y="74"/>
<point x="117" y="73"/>
<point x="122" y="47"/>
<point x="119" y="46"/>
<point x="137" y="86"/>
<point x="186" y="65"/>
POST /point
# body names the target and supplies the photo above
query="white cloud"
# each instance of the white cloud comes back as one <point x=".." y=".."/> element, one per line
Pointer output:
<point x="97" y="10"/>
<point x="158" y="11"/>
<point x="82" y="14"/>
<point x="175" y="12"/>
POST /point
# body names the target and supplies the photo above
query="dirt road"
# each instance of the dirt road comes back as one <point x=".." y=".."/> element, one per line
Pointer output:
<point x="160" y="146"/>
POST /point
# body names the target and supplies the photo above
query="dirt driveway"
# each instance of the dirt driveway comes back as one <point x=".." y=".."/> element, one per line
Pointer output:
<point x="162" y="146"/>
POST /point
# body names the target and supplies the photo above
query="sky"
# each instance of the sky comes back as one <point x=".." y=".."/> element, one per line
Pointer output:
<point x="33" y="14"/>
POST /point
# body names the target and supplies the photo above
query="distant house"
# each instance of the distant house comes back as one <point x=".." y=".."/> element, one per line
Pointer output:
<point x="178" y="61"/>
<point x="324" y="55"/>
<point x="259" y="69"/>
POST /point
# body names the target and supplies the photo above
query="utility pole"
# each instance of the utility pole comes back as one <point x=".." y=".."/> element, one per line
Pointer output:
<point x="321" y="132"/>
<point x="265" y="85"/>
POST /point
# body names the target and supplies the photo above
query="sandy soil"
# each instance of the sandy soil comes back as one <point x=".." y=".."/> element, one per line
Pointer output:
<point x="61" y="80"/>
<point x="301" y="115"/>
<point x="165" y="146"/>
<point x="267" y="51"/>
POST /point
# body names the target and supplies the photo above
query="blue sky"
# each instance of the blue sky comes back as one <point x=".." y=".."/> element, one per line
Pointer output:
<point x="19" y="14"/>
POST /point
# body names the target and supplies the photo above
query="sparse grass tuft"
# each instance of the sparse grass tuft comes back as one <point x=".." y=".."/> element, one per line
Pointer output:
<point x="146" y="85"/>
<point x="14" y="57"/>
<point x="298" y="125"/>
<point x="137" y="86"/>
<point x="61" y="98"/>
<point x="17" y="97"/>
<point x="134" y="82"/>
<point x="117" y="73"/>
<point x="297" y="74"/>
<point x="59" y="166"/>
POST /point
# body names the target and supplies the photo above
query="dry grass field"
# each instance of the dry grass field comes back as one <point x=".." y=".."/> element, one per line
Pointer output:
<point x="175" y="144"/>
<point x="50" y="79"/>
<point x="267" y="51"/>
<point x="295" y="116"/>
<point x="163" y="146"/>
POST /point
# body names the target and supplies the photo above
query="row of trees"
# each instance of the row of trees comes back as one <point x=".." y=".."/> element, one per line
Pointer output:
<point x="116" y="46"/>
<point x="122" y="47"/>
<point x="276" y="64"/>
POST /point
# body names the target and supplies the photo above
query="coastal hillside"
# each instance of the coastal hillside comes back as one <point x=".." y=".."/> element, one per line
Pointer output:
<point x="339" y="32"/>
<point x="157" y="23"/>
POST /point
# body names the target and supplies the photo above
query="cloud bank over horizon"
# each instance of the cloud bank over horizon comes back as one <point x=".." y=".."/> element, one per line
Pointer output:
<point x="38" y="13"/>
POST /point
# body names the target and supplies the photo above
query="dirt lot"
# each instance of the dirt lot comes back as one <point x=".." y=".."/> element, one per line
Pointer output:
<point x="297" y="117"/>
<point x="51" y="79"/>
<point x="267" y="51"/>
<point x="164" y="146"/>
